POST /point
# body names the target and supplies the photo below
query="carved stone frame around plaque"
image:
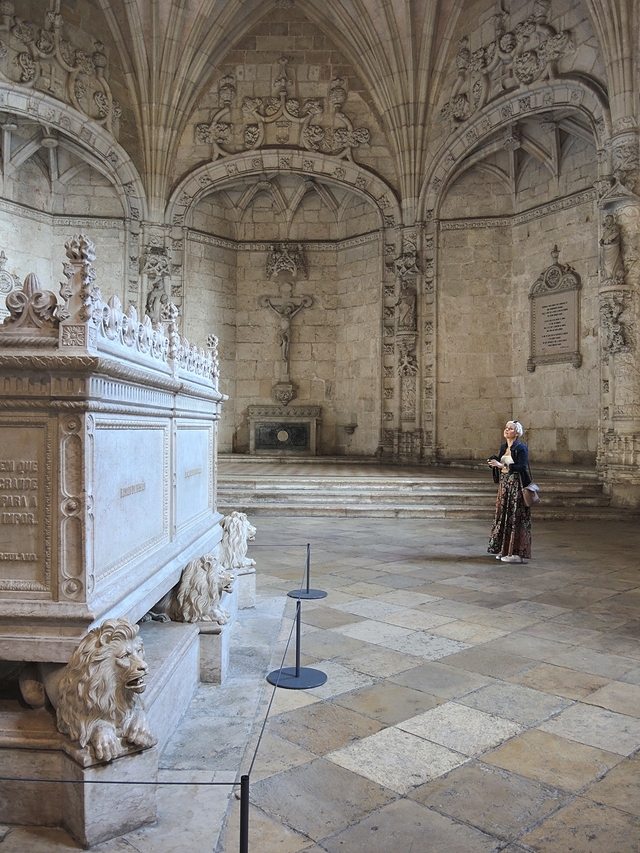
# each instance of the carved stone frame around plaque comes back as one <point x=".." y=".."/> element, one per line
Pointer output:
<point x="555" y="316"/>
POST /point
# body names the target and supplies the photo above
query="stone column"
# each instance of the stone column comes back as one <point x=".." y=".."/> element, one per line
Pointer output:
<point x="619" y="447"/>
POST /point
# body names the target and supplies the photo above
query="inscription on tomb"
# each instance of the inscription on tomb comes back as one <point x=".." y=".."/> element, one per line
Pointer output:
<point x="22" y="501"/>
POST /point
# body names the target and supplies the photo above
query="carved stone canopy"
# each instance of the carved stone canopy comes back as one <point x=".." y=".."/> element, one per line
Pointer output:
<point x="286" y="257"/>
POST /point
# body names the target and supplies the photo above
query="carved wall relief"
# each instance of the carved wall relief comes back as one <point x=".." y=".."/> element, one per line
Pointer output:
<point x="8" y="283"/>
<point x="41" y="58"/>
<point x="555" y="316"/>
<point x="157" y="267"/>
<point x="529" y="51"/>
<point x="280" y="118"/>
<point x="616" y="335"/>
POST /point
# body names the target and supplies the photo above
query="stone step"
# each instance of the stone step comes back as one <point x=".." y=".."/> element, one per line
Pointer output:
<point x="347" y="489"/>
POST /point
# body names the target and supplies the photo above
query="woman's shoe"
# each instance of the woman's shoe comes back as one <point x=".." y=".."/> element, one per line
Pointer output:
<point x="513" y="559"/>
<point x="498" y="556"/>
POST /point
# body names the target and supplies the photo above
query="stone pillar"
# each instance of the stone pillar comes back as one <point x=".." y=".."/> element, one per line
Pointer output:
<point x="619" y="447"/>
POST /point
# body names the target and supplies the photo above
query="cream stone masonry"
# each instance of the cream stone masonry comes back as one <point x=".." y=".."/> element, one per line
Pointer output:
<point x="85" y="387"/>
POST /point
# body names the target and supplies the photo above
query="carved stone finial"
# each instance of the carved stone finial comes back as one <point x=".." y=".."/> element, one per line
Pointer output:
<point x="80" y="248"/>
<point x="31" y="309"/>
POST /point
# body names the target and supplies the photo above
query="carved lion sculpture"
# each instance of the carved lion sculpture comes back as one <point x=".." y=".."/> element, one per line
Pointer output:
<point x="96" y="694"/>
<point x="237" y="531"/>
<point x="196" y="598"/>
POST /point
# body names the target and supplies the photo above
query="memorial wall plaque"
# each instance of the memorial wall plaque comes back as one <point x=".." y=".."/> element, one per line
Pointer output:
<point x="555" y="316"/>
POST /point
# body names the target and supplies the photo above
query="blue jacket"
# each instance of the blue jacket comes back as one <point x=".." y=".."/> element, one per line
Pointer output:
<point x="520" y="456"/>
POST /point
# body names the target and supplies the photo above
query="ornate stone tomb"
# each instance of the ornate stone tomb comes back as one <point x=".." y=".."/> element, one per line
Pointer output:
<point x="107" y="461"/>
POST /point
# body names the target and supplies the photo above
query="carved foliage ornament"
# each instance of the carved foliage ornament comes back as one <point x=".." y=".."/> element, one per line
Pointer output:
<point x="40" y="58"/>
<point x="286" y="257"/>
<point x="616" y="335"/>
<point x="281" y="118"/>
<point x="528" y="52"/>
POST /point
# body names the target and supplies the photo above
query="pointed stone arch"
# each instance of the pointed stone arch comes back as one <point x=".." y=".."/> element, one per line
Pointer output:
<point x="573" y="93"/>
<point x="221" y="174"/>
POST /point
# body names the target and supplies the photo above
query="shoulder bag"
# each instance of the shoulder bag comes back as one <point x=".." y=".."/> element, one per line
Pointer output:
<point x="531" y="493"/>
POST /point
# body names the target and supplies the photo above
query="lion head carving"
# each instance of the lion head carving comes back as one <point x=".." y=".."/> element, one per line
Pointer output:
<point x="236" y="532"/>
<point x="98" y="691"/>
<point x="197" y="596"/>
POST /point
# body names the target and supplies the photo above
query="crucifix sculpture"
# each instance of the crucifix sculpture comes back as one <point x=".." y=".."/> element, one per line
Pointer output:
<point x="286" y="307"/>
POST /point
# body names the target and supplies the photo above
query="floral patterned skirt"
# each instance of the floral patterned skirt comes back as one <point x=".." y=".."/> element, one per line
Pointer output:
<point x="511" y="531"/>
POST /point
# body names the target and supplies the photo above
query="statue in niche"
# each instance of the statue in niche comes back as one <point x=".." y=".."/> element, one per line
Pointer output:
<point x="157" y="301"/>
<point x="612" y="265"/>
<point x="406" y="306"/>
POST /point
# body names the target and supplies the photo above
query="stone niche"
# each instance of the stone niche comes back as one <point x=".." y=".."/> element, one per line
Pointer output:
<point x="284" y="430"/>
<point x="108" y="431"/>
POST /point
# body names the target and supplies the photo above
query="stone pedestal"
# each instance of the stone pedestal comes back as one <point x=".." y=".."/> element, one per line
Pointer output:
<point x="246" y="585"/>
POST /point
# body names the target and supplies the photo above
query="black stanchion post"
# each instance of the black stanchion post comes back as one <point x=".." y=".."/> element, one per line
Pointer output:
<point x="307" y="594"/>
<point x="297" y="677"/>
<point x="244" y="814"/>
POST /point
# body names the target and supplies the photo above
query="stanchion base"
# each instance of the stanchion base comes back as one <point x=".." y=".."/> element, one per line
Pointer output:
<point x="307" y="677"/>
<point x="307" y="595"/>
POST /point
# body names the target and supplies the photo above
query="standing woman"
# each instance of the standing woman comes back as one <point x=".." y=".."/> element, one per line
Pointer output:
<point x="511" y="532"/>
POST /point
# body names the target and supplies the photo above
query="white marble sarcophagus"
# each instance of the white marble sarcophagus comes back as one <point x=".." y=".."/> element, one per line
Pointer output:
<point x="107" y="461"/>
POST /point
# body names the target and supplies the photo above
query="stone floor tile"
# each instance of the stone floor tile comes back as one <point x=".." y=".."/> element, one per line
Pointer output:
<point x="617" y="696"/>
<point x="265" y="833"/>
<point x="399" y="581"/>
<point x="328" y="617"/>
<point x="615" y="644"/>
<point x="379" y="662"/>
<point x="557" y="632"/>
<point x="389" y="703"/>
<point x="327" y="644"/>
<point x="370" y="631"/>
<point x="530" y="608"/>
<point x="318" y="799"/>
<point x="489" y="662"/>
<point x="437" y="678"/>
<point x="513" y="702"/>
<point x="407" y="827"/>
<point x="468" y="632"/>
<point x="495" y="801"/>
<point x="340" y="679"/>
<point x="528" y="645"/>
<point x="397" y="759"/>
<point x="426" y="646"/>
<point x="560" y="680"/>
<point x="364" y="589"/>
<point x="596" y="727"/>
<point x="584" y="827"/>
<point x="573" y="596"/>
<point x="417" y="620"/>
<point x="457" y="609"/>
<point x="591" y="621"/>
<point x="589" y="660"/>
<point x="631" y="677"/>
<point x="620" y="788"/>
<point x="408" y="598"/>
<point x="370" y="608"/>
<point x="500" y="619"/>
<point x="322" y="727"/>
<point x="276" y="754"/>
<point x="461" y="728"/>
<point x="553" y="760"/>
